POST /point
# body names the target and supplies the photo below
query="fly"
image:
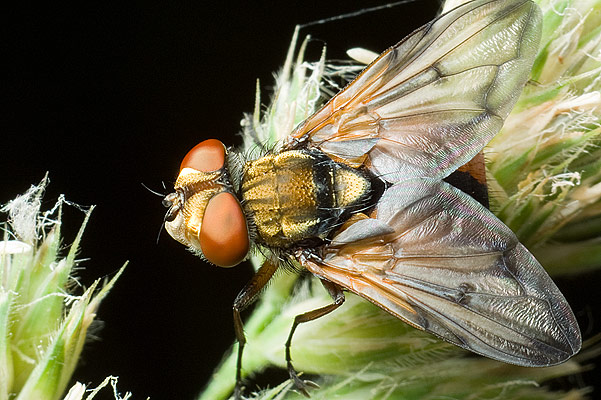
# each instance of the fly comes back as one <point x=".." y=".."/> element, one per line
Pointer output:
<point x="367" y="174"/>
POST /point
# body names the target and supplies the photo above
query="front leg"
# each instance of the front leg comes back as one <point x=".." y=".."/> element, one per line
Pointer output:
<point x="246" y="297"/>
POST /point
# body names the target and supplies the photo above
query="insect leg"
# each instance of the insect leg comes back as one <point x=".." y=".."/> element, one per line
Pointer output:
<point x="246" y="297"/>
<point x="336" y="293"/>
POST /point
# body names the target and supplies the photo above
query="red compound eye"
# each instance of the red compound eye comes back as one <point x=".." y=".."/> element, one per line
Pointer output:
<point x="223" y="234"/>
<point x="207" y="156"/>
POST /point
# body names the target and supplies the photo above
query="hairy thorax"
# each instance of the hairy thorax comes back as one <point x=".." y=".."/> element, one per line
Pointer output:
<point x="300" y="195"/>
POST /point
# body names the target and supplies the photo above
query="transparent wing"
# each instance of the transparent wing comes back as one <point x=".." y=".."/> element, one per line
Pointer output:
<point x="437" y="259"/>
<point x="430" y="103"/>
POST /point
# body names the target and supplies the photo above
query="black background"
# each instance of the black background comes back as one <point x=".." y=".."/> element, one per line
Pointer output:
<point x="106" y="97"/>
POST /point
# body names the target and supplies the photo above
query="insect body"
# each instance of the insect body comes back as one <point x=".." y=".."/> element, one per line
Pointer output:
<point x="301" y="195"/>
<point x="356" y="194"/>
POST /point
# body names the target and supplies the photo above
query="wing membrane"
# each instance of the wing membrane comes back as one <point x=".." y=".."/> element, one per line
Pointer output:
<point x="442" y="262"/>
<point x="430" y="103"/>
